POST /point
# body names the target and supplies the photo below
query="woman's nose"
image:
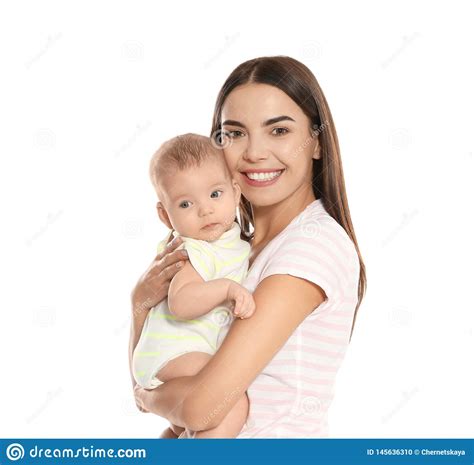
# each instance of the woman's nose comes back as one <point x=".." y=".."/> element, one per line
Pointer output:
<point x="254" y="151"/>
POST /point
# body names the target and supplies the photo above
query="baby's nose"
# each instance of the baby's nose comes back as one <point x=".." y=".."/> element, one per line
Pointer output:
<point x="206" y="209"/>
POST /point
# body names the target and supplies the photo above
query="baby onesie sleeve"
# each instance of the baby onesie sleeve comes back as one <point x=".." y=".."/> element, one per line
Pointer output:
<point x="318" y="254"/>
<point x="162" y="244"/>
<point x="201" y="256"/>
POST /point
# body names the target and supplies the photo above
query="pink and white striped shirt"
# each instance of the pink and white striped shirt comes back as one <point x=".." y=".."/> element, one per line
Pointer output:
<point x="291" y="396"/>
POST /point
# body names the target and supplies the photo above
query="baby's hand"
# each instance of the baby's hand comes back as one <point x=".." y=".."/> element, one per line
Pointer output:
<point x="244" y="304"/>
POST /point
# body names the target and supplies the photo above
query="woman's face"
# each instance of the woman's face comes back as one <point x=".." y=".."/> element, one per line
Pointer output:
<point x="267" y="137"/>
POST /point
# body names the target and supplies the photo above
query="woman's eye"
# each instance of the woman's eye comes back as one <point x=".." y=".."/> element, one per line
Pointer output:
<point x="233" y="134"/>
<point x="214" y="197"/>
<point x="281" y="131"/>
<point x="184" y="203"/>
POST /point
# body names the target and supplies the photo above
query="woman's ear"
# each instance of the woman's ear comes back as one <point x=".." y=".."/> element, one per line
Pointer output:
<point x="237" y="191"/>
<point x="162" y="213"/>
<point x="317" y="148"/>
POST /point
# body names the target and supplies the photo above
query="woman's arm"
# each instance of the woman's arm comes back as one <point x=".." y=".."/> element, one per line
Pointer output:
<point x="202" y="401"/>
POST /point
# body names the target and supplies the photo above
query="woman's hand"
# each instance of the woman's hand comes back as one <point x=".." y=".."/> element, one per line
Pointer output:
<point x="140" y="398"/>
<point x="244" y="304"/>
<point x="152" y="287"/>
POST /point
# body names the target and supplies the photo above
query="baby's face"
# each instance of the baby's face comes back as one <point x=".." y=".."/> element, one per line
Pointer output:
<point x="198" y="197"/>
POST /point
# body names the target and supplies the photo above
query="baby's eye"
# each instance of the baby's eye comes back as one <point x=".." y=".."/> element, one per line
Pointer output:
<point x="214" y="197"/>
<point x="285" y="130"/>
<point x="184" y="203"/>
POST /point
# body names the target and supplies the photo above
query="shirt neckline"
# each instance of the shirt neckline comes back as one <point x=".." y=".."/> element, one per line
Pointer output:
<point x="316" y="204"/>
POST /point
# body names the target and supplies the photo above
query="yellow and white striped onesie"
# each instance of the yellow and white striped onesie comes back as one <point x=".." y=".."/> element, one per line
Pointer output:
<point x="164" y="337"/>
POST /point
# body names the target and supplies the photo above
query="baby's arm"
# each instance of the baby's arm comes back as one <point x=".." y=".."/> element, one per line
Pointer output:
<point x="189" y="296"/>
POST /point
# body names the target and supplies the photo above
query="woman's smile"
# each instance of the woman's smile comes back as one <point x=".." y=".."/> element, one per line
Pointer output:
<point x="261" y="178"/>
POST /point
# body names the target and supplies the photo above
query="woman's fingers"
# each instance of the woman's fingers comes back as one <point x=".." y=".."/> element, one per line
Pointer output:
<point x="138" y="400"/>
<point x="171" y="269"/>
<point x="166" y="266"/>
<point x="176" y="242"/>
<point x="152" y="286"/>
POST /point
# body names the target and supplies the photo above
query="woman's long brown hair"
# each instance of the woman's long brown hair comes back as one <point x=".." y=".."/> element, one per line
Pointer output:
<point x="300" y="84"/>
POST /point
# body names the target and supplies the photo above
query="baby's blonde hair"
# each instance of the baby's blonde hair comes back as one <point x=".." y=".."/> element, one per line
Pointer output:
<point x="182" y="152"/>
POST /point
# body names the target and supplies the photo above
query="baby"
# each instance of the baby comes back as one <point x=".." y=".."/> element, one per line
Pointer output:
<point x="197" y="200"/>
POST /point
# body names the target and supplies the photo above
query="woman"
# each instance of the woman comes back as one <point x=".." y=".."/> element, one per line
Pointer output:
<point x="306" y="272"/>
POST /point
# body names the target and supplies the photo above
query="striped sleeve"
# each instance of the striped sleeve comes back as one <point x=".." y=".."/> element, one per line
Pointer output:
<point x="318" y="254"/>
<point x="201" y="257"/>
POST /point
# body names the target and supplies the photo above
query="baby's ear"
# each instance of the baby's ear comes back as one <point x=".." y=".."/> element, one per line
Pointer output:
<point x="162" y="213"/>
<point x="237" y="191"/>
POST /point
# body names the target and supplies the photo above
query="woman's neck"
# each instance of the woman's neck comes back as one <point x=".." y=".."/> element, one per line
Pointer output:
<point x="270" y="220"/>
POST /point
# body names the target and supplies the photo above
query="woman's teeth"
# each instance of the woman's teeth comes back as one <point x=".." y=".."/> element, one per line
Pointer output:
<point x="263" y="176"/>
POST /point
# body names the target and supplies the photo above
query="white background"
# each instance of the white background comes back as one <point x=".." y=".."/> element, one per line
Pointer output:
<point x="90" y="90"/>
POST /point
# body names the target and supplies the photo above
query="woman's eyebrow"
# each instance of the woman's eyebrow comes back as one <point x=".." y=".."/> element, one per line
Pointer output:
<point x="268" y="122"/>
